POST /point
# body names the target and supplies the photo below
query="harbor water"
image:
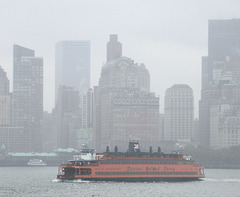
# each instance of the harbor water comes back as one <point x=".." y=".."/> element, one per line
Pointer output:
<point x="41" y="181"/>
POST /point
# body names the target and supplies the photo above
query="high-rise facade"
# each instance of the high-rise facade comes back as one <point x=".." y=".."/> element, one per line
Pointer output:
<point x="67" y="117"/>
<point x="28" y="95"/>
<point x="85" y="133"/>
<point x="87" y="110"/>
<point x="178" y="113"/>
<point x="5" y="99"/>
<point x="124" y="107"/>
<point x="18" y="75"/>
<point x="114" y="48"/>
<point x="223" y="41"/>
<point x="4" y="82"/>
<point x="220" y="74"/>
<point x="72" y="65"/>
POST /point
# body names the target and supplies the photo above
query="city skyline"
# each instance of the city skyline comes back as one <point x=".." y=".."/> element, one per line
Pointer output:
<point x="148" y="35"/>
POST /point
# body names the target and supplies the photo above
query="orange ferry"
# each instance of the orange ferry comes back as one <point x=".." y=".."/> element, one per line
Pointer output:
<point x="130" y="166"/>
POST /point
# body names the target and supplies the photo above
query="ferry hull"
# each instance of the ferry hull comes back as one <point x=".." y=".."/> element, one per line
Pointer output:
<point x="140" y="179"/>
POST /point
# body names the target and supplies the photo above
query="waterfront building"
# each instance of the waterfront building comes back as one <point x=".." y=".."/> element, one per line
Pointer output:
<point x="87" y="110"/>
<point x="28" y="95"/>
<point x="5" y="110"/>
<point x="14" y="138"/>
<point x="196" y="131"/>
<point x="125" y="109"/>
<point x="179" y="113"/>
<point x="18" y="75"/>
<point x="67" y="117"/>
<point x="219" y="68"/>
<point x="5" y="99"/>
<point x="161" y="126"/>
<point x="48" y="135"/>
<point x="4" y="82"/>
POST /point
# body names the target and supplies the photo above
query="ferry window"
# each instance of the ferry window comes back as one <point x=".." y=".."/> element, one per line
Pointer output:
<point x="86" y="171"/>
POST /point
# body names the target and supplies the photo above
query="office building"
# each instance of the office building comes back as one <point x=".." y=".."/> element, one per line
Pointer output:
<point x="72" y="65"/>
<point x="87" y="110"/>
<point x="67" y="117"/>
<point x="5" y="99"/>
<point x="15" y="139"/>
<point x="178" y="113"/>
<point x="4" y="82"/>
<point x="125" y="109"/>
<point x="219" y="68"/>
<point x="28" y="95"/>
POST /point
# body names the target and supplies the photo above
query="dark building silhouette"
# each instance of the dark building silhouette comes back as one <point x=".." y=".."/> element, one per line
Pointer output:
<point x="5" y="100"/>
<point x="223" y="41"/>
<point x="218" y="72"/>
<point x="9" y="135"/>
<point x="28" y="96"/>
<point x="48" y="137"/>
<point x="67" y="117"/>
<point x="4" y="82"/>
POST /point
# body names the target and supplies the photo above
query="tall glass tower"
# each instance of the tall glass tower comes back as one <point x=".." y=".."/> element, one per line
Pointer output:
<point x="72" y="59"/>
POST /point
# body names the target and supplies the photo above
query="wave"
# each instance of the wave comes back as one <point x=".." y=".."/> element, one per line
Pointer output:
<point x="220" y="180"/>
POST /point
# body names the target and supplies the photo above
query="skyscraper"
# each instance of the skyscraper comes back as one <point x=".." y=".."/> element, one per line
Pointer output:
<point x="87" y="110"/>
<point x="114" y="48"/>
<point x="223" y="41"/>
<point x="72" y="65"/>
<point x="5" y="99"/>
<point x="124" y="107"/>
<point x="223" y="45"/>
<point x="4" y="82"/>
<point x="67" y="114"/>
<point x="18" y="75"/>
<point x="178" y="113"/>
<point x="28" y="95"/>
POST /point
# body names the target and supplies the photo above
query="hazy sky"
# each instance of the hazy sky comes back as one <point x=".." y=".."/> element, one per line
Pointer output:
<point x="169" y="37"/>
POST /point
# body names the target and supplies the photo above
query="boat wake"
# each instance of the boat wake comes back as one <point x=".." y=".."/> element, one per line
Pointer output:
<point x="70" y="181"/>
<point x="80" y="181"/>
<point x="220" y="180"/>
<point x="56" y="180"/>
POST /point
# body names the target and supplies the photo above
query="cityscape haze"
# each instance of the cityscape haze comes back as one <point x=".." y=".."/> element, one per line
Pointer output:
<point x="165" y="36"/>
<point x="97" y="91"/>
<point x="102" y="103"/>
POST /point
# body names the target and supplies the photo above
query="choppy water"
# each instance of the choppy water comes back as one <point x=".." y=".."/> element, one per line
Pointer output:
<point x="41" y="181"/>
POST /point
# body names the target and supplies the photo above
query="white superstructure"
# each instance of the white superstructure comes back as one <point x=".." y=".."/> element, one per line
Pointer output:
<point x="87" y="154"/>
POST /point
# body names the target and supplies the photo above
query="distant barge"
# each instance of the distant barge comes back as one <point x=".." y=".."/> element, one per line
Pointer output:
<point x="131" y="166"/>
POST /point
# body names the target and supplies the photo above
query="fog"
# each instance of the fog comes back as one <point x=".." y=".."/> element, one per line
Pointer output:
<point x="169" y="37"/>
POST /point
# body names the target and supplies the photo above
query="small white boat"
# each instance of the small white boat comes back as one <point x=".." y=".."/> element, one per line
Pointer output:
<point x="36" y="162"/>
